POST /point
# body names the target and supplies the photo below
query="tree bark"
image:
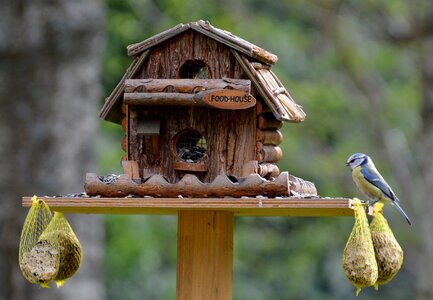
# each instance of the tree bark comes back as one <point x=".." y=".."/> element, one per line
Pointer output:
<point x="49" y="90"/>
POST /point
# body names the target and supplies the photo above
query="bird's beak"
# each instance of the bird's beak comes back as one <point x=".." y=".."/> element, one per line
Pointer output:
<point x="347" y="164"/>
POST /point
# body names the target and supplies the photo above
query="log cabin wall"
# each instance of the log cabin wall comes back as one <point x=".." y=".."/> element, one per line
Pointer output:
<point x="230" y="135"/>
<point x="268" y="137"/>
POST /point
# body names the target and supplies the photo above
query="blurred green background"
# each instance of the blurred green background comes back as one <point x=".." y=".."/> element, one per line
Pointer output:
<point x="360" y="83"/>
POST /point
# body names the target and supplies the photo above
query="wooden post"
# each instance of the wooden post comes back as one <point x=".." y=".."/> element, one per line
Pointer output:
<point x="204" y="255"/>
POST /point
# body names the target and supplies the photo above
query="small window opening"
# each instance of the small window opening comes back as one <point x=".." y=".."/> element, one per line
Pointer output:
<point x="194" y="69"/>
<point x="191" y="146"/>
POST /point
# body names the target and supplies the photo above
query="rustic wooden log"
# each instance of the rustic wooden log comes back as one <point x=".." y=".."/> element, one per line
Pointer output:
<point x="269" y="137"/>
<point x="268" y="121"/>
<point x="218" y="98"/>
<point x="267" y="170"/>
<point x="173" y="99"/>
<point x="299" y="186"/>
<point x="187" y="85"/>
<point x="189" y="186"/>
<point x="235" y="42"/>
<point x="137" y="48"/>
<point x="270" y="154"/>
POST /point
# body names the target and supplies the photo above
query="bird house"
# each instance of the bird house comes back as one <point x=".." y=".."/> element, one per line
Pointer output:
<point x="201" y="111"/>
<point x="201" y="105"/>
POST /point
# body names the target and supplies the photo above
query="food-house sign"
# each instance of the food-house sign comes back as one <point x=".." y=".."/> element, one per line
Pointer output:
<point x="228" y="99"/>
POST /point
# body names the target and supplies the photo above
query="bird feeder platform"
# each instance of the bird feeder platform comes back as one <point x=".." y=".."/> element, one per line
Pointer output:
<point x="244" y="206"/>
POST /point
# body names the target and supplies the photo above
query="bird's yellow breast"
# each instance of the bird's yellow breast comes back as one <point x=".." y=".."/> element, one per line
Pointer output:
<point x="366" y="187"/>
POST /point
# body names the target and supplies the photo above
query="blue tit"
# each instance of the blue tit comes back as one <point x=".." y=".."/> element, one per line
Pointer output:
<point x="371" y="183"/>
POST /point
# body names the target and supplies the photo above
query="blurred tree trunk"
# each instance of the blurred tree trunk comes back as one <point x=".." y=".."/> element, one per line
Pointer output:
<point x="425" y="191"/>
<point x="49" y="89"/>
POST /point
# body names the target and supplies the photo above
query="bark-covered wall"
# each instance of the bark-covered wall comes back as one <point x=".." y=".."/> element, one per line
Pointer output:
<point x="230" y="135"/>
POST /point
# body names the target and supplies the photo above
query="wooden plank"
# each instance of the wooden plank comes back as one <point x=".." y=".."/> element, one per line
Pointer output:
<point x="290" y="206"/>
<point x="204" y="255"/>
<point x="234" y="42"/>
<point x="136" y="48"/>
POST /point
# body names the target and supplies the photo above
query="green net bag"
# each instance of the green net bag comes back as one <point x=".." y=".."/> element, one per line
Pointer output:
<point x="389" y="255"/>
<point x="55" y="254"/>
<point x="359" y="263"/>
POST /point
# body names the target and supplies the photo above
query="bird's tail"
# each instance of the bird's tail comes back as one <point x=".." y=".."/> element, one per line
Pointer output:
<point x="402" y="212"/>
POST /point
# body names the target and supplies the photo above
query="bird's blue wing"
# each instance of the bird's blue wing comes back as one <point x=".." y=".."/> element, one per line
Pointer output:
<point x="372" y="176"/>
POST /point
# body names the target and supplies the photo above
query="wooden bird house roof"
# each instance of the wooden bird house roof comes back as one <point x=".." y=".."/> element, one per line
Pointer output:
<point x="255" y="61"/>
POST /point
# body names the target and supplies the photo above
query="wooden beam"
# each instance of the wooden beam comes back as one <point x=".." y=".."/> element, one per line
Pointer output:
<point x="186" y="85"/>
<point x="189" y="186"/>
<point x="290" y="206"/>
<point x="234" y="42"/>
<point x="174" y="99"/>
<point x="216" y="98"/>
<point x="269" y="137"/>
<point x="204" y="255"/>
<point x="269" y="153"/>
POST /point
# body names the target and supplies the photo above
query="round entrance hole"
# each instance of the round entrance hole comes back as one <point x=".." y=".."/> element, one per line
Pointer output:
<point x="194" y="69"/>
<point x="190" y="146"/>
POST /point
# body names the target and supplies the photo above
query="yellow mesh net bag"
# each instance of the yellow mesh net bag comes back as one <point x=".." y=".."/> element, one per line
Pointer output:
<point x="49" y="249"/>
<point x="359" y="263"/>
<point x="389" y="255"/>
